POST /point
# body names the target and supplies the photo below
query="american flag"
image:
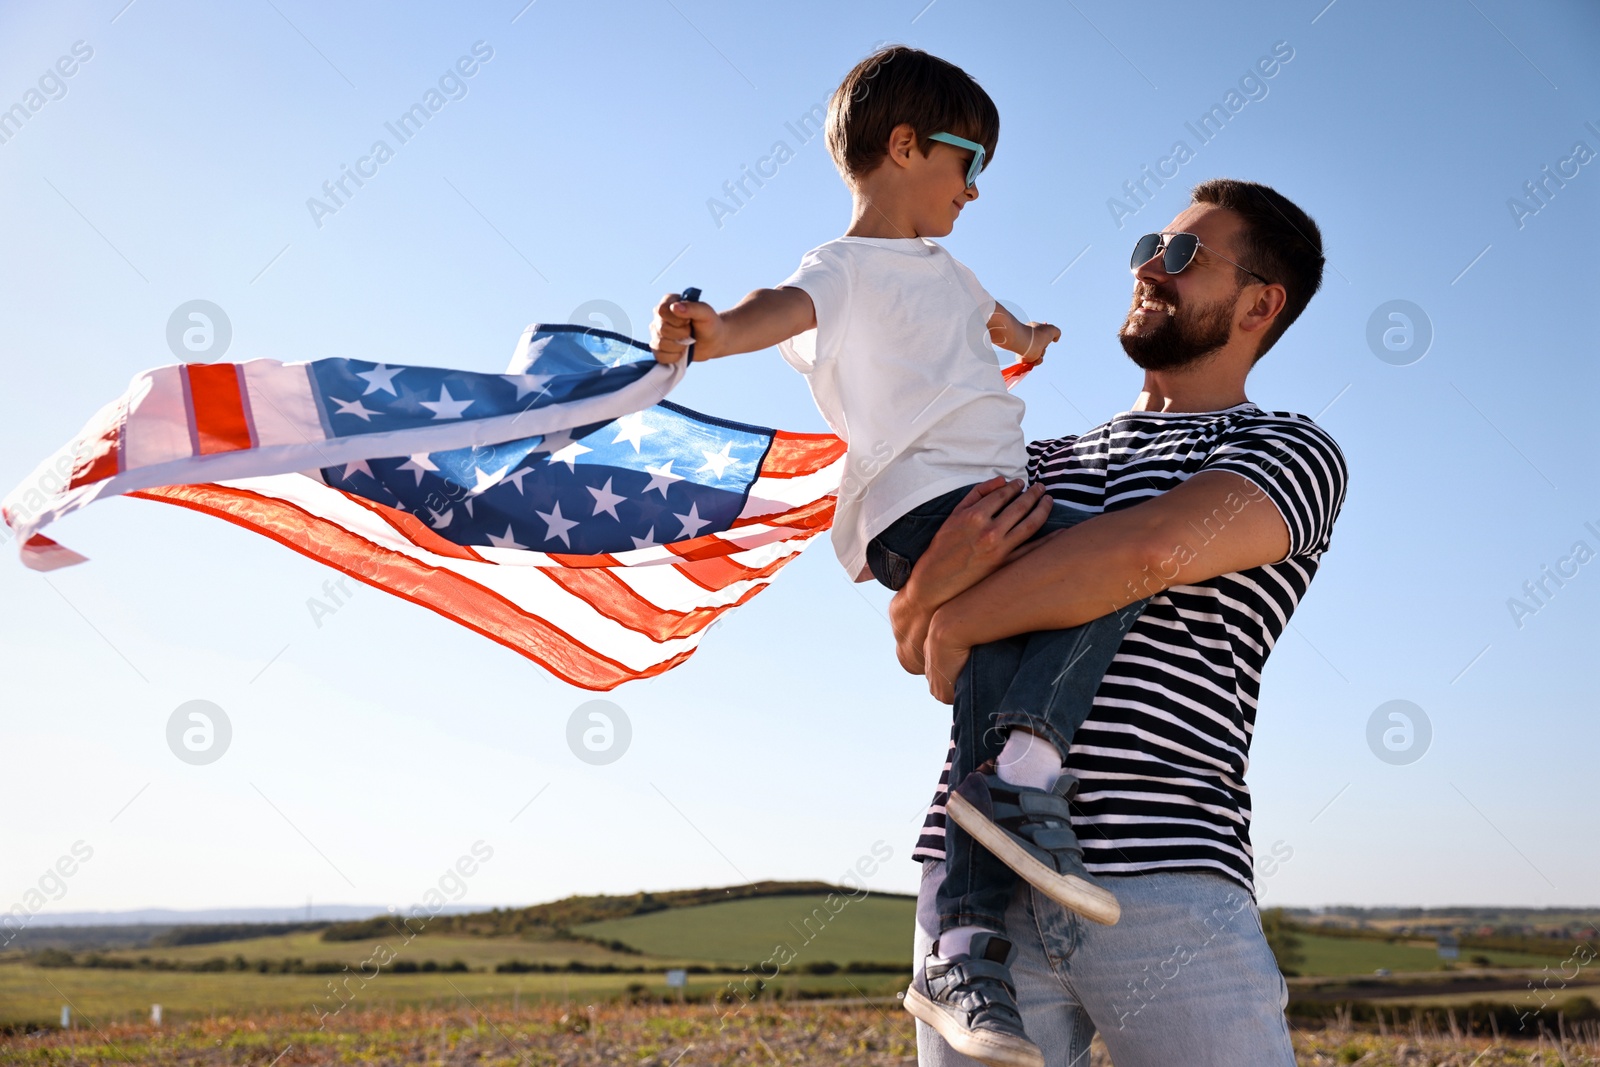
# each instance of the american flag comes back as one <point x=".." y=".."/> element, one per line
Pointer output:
<point x="208" y="422"/>
<point x="600" y="549"/>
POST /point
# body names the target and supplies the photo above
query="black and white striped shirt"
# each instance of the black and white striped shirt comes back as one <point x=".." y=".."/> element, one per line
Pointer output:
<point x="1162" y="757"/>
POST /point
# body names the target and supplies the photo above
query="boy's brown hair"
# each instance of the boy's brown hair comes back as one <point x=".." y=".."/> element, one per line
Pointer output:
<point x="905" y="85"/>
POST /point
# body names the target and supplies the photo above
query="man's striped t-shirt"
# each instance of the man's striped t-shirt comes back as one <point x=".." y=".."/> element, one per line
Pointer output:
<point x="1162" y="757"/>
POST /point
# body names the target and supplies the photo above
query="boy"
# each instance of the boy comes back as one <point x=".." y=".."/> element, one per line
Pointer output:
<point x="883" y="323"/>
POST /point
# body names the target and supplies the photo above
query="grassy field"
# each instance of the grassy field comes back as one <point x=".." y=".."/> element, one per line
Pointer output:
<point x="1338" y="955"/>
<point x="875" y="929"/>
<point x="36" y="994"/>
<point x="743" y="932"/>
<point x="475" y="952"/>
<point x="878" y="929"/>
<point x="732" y="934"/>
<point x="863" y="1035"/>
<point x="31" y="994"/>
<point x="1521" y="998"/>
<point x="737" y="933"/>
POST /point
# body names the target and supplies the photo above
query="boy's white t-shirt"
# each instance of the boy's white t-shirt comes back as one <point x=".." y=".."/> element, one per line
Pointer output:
<point x="901" y="367"/>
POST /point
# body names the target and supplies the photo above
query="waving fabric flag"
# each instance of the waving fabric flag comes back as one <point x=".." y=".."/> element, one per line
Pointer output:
<point x="206" y="422"/>
<point x="601" y="551"/>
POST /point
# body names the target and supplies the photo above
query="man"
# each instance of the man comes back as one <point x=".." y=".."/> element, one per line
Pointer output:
<point x="1219" y="513"/>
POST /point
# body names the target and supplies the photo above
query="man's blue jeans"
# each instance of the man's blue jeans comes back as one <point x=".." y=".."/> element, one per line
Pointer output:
<point x="1185" y="978"/>
<point x="1044" y="682"/>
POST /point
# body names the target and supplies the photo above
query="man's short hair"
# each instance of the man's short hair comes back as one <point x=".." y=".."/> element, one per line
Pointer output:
<point x="1279" y="241"/>
<point x="904" y="85"/>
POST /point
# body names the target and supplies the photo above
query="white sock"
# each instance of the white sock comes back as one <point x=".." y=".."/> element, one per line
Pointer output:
<point x="1029" y="760"/>
<point x="958" y="940"/>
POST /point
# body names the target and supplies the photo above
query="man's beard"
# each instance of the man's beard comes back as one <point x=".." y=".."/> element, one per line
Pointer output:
<point x="1187" y="336"/>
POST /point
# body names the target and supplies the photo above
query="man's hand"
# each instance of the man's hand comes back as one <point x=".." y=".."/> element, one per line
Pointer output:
<point x="676" y="321"/>
<point x="1216" y="522"/>
<point x="981" y="535"/>
<point x="946" y="656"/>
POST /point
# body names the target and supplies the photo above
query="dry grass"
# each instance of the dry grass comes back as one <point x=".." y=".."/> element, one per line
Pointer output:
<point x="658" y="1035"/>
<point x="645" y="1035"/>
<point x="1370" y="1050"/>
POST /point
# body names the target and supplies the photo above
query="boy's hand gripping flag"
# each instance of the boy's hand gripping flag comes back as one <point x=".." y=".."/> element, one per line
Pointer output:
<point x="562" y="509"/>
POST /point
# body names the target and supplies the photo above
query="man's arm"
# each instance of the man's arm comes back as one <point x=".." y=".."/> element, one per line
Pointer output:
<point x="981" y="535"/>
<point x="1214" y="523"/>
<point x="759" y="321"/>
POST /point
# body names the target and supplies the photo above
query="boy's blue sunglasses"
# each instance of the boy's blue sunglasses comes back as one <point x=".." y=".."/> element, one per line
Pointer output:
<point x="976" y="166"/>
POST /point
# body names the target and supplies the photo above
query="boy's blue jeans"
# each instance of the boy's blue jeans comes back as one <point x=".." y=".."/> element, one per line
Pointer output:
<point x="1044" y="682"/>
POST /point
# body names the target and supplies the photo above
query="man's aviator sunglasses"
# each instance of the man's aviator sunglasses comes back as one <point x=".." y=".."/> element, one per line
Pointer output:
<point x="976" y="166"/>
<point x="1177" y="252"/>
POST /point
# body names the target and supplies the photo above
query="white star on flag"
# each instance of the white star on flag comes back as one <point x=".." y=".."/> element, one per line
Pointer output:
<point x="661" y="478"/>
<point x="441" y="519"/>
<point x="569" y="455"/>
<point x="556" y="526"/>
<point x="508" y="541"/>
<point x="354" y="407"/>
<point x="605" y="500"/>
<point x="359" y="466"/>
<point x="647" y="541"/>
<point x="515" y="477"/>
<point x="717" y="462"/>
<point x="529" y="383"/>
<point x="487" y="481"/>
<point x="380" y="377"/>
<point x="631" y="428"/>
<point x="447" y="406"/>
<point x="692" y="522"/>
<point x="417" y="464"/>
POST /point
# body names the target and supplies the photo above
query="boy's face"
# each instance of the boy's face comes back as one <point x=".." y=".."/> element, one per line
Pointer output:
<point x="936" y="188"/>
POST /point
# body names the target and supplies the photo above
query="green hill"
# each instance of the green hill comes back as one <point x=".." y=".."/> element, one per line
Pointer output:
<point x="558" y="917"/>
<point x="1343" y="955"/>
<point x="874" y="929"/>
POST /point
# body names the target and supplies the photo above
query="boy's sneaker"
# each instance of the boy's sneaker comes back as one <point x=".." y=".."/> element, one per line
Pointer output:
<point x="970" y="1000"/>
<point x="1030" y="831"/>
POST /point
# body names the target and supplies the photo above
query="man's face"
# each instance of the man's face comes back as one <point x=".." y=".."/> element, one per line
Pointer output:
<point x="1178" y="319"/>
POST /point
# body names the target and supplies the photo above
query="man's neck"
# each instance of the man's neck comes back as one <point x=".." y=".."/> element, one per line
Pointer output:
<point x="1213" y="384"/>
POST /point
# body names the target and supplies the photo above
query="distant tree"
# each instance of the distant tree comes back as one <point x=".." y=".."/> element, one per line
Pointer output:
<point x="1281" y="939"/>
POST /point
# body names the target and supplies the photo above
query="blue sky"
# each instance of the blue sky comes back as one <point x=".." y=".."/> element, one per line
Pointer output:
<point x="578" y="163"/>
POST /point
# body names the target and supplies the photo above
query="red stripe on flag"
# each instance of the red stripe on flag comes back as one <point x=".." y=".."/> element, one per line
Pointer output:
<point x="707" y="547"/>
<point x="1016" y="372"/>
<point x="795" y="455"/>
<point x="442" y="591"/>
<point x="817" y="515"/>
<point x="613" y="598"/>
<point x="416" y="531"/>
<point x="719" y="573"/>
<point x="600" y="559"/>
<point x="97" y="460"/>
<point x="216" y="391"/>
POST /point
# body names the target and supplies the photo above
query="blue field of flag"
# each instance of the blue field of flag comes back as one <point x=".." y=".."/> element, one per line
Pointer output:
<point x="657" y="476"/>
